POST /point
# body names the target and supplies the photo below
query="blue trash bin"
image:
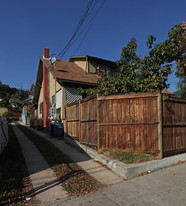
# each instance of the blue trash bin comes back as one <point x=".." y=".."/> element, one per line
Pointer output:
<point x="58" y="130"/>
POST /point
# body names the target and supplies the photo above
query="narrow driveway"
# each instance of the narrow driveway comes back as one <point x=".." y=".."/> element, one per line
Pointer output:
<point x="104" y="176"/>
<point x="165" y="187"/>
<point x="46" y="186"/>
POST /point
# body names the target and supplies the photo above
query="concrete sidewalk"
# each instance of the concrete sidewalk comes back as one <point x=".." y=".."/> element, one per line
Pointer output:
<point x="46" y="186"/>
<point x="97" y="171"/>
<point x="166" y="187"/>
<point x="128" y="171"/>
<point x="88" y="158"/>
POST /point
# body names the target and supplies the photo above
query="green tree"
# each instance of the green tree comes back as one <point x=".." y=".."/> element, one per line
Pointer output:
<point x="181" y="69"/>
<point x="5" y="102"/>
<point x="12" y="98"/>
<point x="181" y="85"/>
<point x="147" y="74"/>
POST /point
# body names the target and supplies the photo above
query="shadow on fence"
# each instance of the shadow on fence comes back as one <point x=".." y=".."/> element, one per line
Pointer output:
<point x="136" y="122"/>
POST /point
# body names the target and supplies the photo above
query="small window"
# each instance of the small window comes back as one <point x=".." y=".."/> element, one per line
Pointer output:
<point x="114" y="73"/>
<point x="53" y="99"/>
<point x="58" y="114"/>
<point x="41" y="108"/>
<point x="36" y="113"/>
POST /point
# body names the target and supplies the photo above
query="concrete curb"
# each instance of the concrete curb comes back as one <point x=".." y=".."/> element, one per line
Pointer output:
<point x="123" y="170"/>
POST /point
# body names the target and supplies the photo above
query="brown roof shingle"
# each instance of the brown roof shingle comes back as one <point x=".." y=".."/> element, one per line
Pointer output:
<point x="69" y="71"/>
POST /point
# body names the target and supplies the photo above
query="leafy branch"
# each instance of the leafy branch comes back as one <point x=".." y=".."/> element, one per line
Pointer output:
<point x="147" y="74"/>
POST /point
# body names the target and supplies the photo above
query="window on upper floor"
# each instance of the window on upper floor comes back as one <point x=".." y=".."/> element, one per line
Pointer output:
<point x="36" y="113"/>
<point x="102" y="69"/>
<point x="41" y="108"/>
<point x="53" y="99"/>
<point x="113" y="73"/>
<point x="94" y="67"/>
<point x="97" y="68"/>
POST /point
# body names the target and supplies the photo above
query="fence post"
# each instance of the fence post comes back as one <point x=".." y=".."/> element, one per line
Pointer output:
<point x="1" y="138"/>
<point x="160" y="138"/>
<point x="98" y="127"/>
<point x="66" y="118"/>
<point x="79" y="120"/>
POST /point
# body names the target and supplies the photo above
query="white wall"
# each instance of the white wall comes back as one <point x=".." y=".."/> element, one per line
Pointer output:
<point x="58" y="99"/>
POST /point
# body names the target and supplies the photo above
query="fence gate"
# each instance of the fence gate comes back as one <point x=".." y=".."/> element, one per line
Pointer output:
<point x="82" y="120"/>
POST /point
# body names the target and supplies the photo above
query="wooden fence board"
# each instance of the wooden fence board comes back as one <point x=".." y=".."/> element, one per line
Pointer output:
<point x="174" y="126"/>
<point x="136" y="114"/>
<point x="129" y="122"/>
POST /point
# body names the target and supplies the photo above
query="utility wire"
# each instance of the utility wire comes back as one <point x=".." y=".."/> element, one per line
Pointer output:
<point x="84" y="27"/>
<point x="83" y="18"/>
<point x="90" y="23"/>
<point x="77" y="29"/>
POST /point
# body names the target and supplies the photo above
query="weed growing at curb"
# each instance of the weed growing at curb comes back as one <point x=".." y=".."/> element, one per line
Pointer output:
<point x="75" y="180"/>
<point x="127" y="157"/>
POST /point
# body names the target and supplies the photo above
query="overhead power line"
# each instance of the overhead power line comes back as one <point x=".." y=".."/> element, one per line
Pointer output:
<point x="78" y="26"/>
<point x="90" y="7"/>
<point x="89" y="25"/>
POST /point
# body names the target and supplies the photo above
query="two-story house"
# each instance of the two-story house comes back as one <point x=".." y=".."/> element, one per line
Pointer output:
<point x="57" y="83"/>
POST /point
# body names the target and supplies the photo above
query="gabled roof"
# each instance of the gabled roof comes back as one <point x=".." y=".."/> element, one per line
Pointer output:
<point x="64" y="72"/>
<point x="69" y="71"/>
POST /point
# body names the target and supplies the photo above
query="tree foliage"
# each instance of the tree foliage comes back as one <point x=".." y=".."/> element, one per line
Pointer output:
<point x="181" y="85"/>
<point x="181" y="69"/>
<point x="181" y="64"/>
<point x="147" y="74"/>
<point x="12" y="98"/>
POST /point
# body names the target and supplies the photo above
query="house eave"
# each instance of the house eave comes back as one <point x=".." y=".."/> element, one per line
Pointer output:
<point x="61" y="81"/>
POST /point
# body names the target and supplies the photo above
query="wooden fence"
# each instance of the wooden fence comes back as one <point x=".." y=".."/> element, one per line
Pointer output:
<point x="131" y="123"/>
<point x="82" y="120"/>
<point x="174" y="126"/>
<point x="138" y="122"/>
